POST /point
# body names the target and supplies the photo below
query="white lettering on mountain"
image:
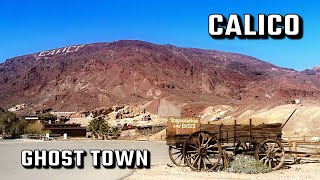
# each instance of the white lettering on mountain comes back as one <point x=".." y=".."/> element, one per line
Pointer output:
<point x="68" y="49"/>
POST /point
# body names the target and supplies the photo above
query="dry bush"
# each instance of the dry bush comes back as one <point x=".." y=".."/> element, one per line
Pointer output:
<point x="34" y="128"/>
<point x="247" y="164"/>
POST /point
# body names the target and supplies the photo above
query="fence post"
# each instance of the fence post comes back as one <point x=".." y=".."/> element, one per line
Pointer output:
<point x="294" y="144"/>
<point x="250" y="133"/>
<point x="234" y="136"/>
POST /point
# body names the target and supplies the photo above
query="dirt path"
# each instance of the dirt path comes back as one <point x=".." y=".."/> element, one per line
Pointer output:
<point x="299" y="171"/>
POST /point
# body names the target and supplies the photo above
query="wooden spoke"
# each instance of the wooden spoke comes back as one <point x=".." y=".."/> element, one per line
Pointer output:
<point x="194" y="147"/>
<point x="263" y="158"/>
<point x="204" y="164"/>
<point x="199" y="162"/>
<point x="176" y="155"/>
<point x="271" y="153"/>
<point x="202" y="151"/>
<point x="199" y="144"/>
<point x="272" y="147"/>
<point x="192" y="152"/>
<point x="277" y="150"/>
<point x="202" y="138"/>
<point x="270" y="160"/>
<point x="181" y="158"/>
<point x="244" y="148"/>
<point x="191" y="156"/>
<point x="211" y="146"/>
<point x="208" y="160"/>
<point x="195" y="160"/>
<point x="206" y="144"/>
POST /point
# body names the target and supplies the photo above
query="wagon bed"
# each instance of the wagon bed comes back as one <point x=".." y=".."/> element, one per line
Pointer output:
<point x="205" y="146"/>
<point x="226" y="133"/>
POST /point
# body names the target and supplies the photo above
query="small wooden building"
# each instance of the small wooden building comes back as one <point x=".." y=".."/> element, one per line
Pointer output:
<point x="72" y="130"/>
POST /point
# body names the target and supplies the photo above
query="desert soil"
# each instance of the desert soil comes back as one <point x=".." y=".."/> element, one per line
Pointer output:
<point x="298" y="171"/>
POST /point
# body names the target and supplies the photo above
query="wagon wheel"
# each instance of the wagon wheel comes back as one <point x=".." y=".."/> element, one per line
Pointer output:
<point x="271" y="153"/>
<point x="176" y="155"/>
<point x="242" y="148"/>
<point x="246" y="148"/>
<point x="202" y="151"/>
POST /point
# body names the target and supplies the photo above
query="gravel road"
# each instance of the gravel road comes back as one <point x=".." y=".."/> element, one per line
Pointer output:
<point x="10" y="167"/>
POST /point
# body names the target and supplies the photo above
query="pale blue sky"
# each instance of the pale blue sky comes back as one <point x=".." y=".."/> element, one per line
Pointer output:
<point x="32" y="26"/>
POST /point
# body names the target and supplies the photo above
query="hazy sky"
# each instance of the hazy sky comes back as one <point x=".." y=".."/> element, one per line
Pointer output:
<point x="32" y="26"/>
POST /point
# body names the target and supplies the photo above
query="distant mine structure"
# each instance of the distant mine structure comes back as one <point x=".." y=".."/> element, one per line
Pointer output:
<point x="133" y="121"/>
<point x="295" y="101"/>
<point x="17" y="108"/>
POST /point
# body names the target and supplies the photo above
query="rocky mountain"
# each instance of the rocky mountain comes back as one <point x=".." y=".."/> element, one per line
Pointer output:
<point x="135" y="72"/>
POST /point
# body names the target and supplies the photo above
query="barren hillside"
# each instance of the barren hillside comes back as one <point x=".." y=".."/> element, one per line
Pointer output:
<point x="136" y="72"/>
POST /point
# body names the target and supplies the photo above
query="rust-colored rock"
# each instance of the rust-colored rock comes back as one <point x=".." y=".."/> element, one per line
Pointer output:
<point x="136" y="72"/>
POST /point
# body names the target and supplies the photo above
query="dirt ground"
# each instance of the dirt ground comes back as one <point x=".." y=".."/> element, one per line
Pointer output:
<point x="298" y="171"/>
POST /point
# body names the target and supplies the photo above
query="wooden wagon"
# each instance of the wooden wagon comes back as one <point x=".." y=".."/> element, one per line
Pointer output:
<point x="203" y="147"/>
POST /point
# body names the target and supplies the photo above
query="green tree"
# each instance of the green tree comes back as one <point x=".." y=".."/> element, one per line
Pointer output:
<point x="114" y="132"/>
<point x="17" y="128"/>
<point x="98" y="127"/>
<point x="10" y="124"/>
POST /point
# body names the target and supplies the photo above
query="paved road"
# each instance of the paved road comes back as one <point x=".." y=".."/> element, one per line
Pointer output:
<point x="10" y="167"/>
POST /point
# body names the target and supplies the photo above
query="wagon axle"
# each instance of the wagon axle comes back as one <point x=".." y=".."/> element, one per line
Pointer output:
<point x="270" y="155"/>
<point x="202" y="151"/>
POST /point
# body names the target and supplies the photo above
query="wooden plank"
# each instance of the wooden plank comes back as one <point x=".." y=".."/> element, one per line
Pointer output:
<point x="235" y="132"/>
<point x="182" y="126"/>
<point x="300" y="152"/>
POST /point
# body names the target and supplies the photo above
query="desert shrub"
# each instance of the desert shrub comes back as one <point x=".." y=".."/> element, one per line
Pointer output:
<point x="47" y="116"/>
<point x="34" y="128"/>
<point x="247" y="164"/>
